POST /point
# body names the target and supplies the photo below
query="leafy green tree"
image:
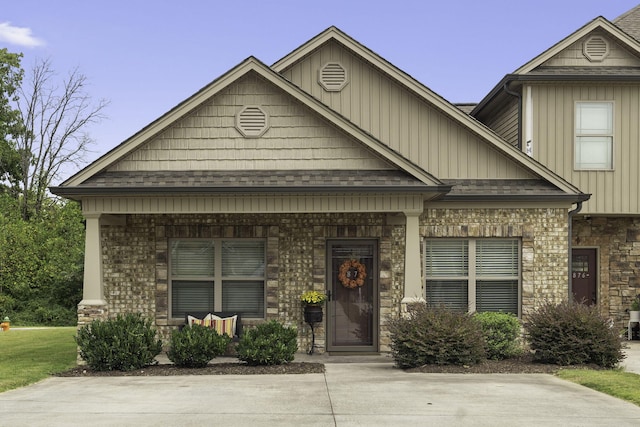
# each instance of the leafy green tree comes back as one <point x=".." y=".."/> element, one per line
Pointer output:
<point x="41" y="263"/>
<point x="10" y="119"/>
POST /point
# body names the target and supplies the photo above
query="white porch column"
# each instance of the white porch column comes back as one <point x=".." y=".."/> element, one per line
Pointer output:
<point x="92" y="290"/>
<point x="413" y="291"/>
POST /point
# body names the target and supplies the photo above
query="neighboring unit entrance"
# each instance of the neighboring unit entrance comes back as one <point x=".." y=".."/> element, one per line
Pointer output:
<point x="352" y="309"/>
<point x="584" y="275"/>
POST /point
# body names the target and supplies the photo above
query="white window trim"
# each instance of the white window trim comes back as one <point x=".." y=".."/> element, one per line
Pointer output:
<point x="472" y="277"/>
<point x="576" y="135"/>
<point x="217" y="278"/>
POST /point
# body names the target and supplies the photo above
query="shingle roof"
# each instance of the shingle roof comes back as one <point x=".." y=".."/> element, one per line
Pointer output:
<point x="586" y="71"/>
<point x="493" y="189"/>
<point x="251" y="181"/>
<point x="629" y="22"/>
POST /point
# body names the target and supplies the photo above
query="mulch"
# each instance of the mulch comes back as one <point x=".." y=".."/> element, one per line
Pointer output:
<point x="516" y="365"/>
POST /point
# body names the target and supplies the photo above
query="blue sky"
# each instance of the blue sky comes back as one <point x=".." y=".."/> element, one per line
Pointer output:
<point x="147" y="56"/>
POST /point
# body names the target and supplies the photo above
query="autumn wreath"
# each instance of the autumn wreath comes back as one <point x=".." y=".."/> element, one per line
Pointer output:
<point x="352" y="274"/>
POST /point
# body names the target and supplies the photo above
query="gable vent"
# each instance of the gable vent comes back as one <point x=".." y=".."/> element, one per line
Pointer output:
<point x="252" y="121"/>
<point x="332" y="76"/>
<point x="596" y="48"/>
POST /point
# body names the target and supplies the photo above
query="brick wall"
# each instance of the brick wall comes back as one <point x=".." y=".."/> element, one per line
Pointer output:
<point x="136" y="273"/>
<point x="544" y="237"/>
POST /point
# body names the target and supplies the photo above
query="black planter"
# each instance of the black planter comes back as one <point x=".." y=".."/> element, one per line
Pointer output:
<point x="313" y="313"/>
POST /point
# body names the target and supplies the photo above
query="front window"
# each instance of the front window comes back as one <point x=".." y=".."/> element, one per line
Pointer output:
<point x="473" y="275"/>
<point x="594" y="135"/>
<point x="217" y="275"/>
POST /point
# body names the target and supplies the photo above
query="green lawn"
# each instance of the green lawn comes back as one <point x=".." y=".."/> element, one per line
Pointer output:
<point x="29" y="355"/>
<point x="617" y="383"/>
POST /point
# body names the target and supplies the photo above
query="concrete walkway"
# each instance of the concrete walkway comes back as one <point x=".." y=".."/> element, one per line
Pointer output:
<point x="347" y="394"/>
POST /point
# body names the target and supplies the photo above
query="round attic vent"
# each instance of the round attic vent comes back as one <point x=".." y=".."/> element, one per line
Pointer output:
<point x="332" y="76"/>
<point x="252" y="121"/>
<point x="596" y="48"/>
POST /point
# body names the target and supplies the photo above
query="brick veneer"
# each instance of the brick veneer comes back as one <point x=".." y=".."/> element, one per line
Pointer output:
<point x="136" y="274"/>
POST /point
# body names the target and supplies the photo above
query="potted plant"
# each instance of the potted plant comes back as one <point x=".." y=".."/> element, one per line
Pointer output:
<point x="634" y="312"/>
<point x="312" y="302"/>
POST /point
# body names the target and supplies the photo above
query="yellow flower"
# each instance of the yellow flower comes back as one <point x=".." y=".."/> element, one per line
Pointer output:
<point x="313" y="297"/>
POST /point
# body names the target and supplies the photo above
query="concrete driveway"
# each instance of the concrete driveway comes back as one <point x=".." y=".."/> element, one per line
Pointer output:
<point x="348" y="394"/>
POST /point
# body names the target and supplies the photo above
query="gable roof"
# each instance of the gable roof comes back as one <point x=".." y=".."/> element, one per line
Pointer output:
<point x="599" y="23"/>
<point x="413" y="85"/>
<point x="251" y="64"/>
<point x="629" y="22"/>
<point x="530" y="71"/>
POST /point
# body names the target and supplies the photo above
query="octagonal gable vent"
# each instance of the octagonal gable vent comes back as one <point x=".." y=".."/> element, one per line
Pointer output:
<point x="332" y="76"/>
<point x="252" y="121"/>
<point x="596" y="48"/>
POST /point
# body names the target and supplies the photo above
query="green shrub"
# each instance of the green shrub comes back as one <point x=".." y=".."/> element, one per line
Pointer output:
<point x="571" y="334"/>
<point x="435" y="336"/>
<point x="268" y="344"/>
<point x="122" y="344"/>
<point x="195" y="346"/>
<point x="501" y="332"/>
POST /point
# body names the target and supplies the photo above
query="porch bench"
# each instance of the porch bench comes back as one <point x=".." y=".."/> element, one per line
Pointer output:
<point x="221" y="314"/>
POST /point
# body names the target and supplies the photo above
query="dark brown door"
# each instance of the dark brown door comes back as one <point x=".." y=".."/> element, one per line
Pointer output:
<point x="584" y="275"/>
<point x="352" y="311"/>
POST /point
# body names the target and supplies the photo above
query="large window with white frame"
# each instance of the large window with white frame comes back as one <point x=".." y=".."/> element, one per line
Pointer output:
<point x="594" y="136"/>
<point x="473" y="274"/>
<point x="217" y="275"/>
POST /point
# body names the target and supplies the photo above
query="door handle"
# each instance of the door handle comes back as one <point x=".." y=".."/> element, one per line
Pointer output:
<point x="328" y="294"/>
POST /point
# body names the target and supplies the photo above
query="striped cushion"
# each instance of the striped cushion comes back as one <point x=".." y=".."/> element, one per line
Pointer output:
<point x="226" y="325"/>
<point x="203" y="322"/>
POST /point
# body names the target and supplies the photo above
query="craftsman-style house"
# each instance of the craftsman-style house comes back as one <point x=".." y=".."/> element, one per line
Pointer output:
<point x="332" y="162"/>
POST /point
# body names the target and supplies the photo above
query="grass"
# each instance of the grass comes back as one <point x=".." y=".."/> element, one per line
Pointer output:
<point x="30" y="355"/>
<point x="615" y="382"/>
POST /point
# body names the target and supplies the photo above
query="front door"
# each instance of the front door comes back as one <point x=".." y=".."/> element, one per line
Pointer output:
<point x="352" y="309"/>
<point x="584" y="275"/>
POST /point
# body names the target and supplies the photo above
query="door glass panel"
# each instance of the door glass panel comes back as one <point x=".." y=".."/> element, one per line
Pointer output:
<point x="352" y="274"/>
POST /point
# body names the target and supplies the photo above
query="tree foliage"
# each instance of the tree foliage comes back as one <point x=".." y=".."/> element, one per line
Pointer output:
<point x="41" y="263"/>
<point x="10" y="121"/>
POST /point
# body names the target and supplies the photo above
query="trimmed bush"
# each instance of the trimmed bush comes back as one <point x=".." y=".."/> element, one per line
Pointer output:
<point x="572" y="334"/>
<point x="195" y="346"/>
<point x="501" y="332"/>
<point x="435" y="336"/>
<point x="269" y="343"/>
<point x="122" y="344"/>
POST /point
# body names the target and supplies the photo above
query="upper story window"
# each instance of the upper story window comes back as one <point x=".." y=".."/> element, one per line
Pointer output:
<point x="594" y="136"/>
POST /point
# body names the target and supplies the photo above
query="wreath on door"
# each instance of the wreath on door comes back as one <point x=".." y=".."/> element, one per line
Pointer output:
<point x="352" y="274"/>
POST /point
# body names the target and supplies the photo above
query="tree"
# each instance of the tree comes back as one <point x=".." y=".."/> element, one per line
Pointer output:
<point x="10" y="123"/>
<point x="55" y="117"/>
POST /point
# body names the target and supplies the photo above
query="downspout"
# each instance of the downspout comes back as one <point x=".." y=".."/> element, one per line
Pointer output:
<point x="571" y="214"/>
<point x="519" y="96"/>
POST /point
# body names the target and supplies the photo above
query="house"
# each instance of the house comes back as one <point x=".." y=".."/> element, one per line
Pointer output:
<point x="330" y="170"/>
<point x="575" y="109"/>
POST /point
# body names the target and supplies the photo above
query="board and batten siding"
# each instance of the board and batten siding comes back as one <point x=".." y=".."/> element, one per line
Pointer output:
<point x="615" y="191"/>
<point x="504" y="121"/>
<point x="574" y="55"/>
<point x="207" y="139"/>
<point x="401" y="119"/>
